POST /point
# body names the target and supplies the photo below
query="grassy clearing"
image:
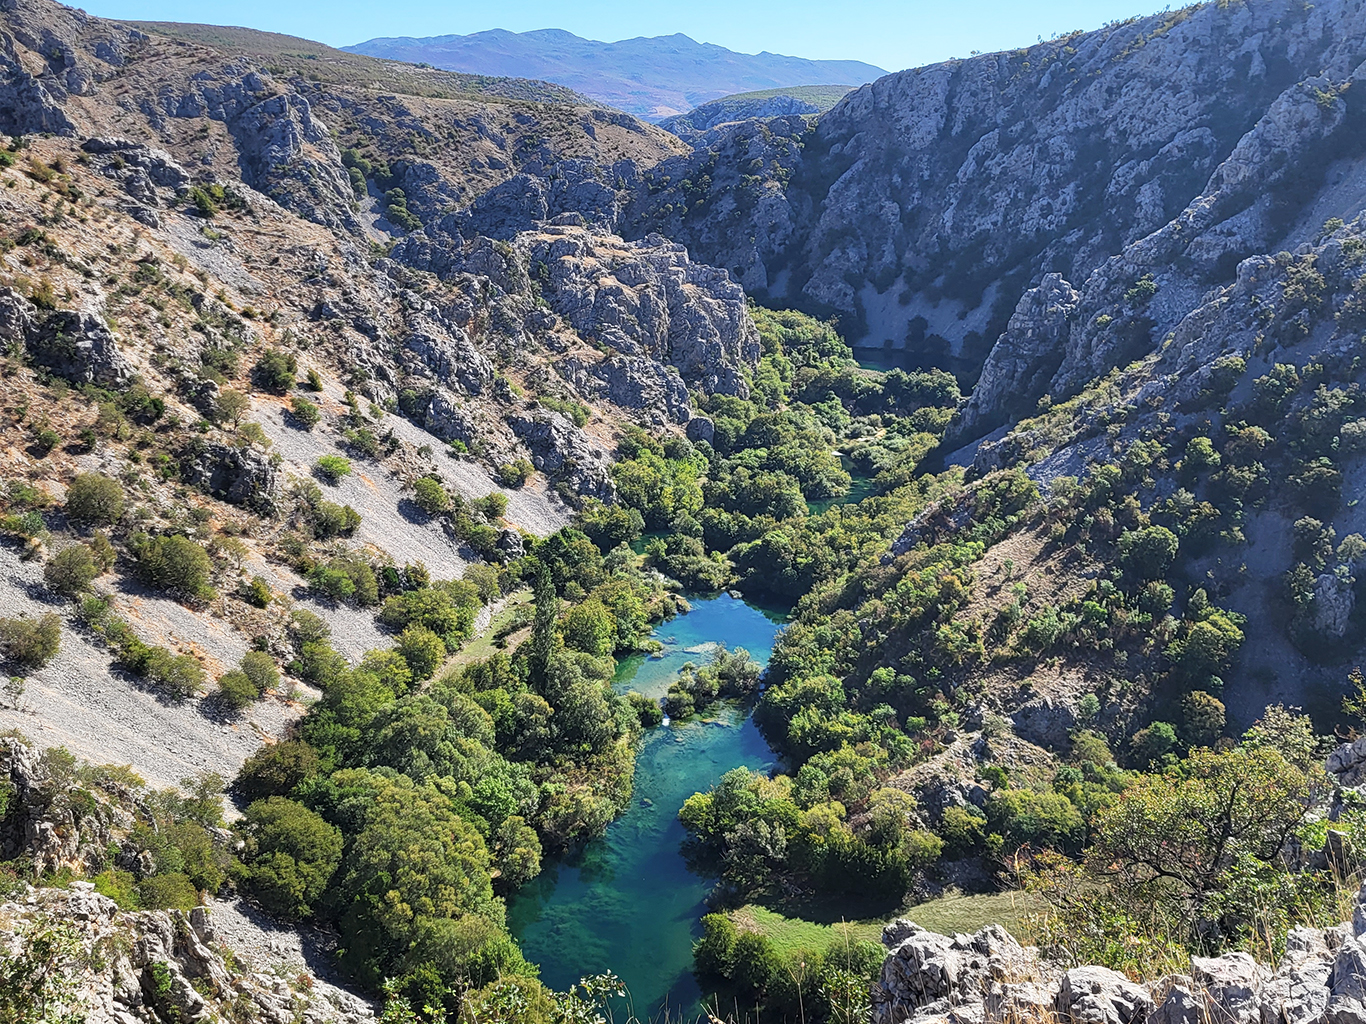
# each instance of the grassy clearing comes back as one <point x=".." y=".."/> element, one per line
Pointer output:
<point x="482" y="646"/>
<point x="948" y="914"/>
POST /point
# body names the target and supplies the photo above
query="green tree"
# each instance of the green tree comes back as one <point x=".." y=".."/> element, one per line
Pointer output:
<point x="259" y="667"/>
<point x="422" y="649"/>
<point x="236" y="689"/>
<point x="276" y="770"/>
<point x="430" y="496"/>
<point x="306" y="412"/>
<point x="231" y="406"/>
<point x="290" y="855"/>
<point x="1191" y="823"/>
<point x="31" y="643"/>
<point x="1148" y="553"/>
<point x="275" y="370"/>
<point x="174" y="563"/>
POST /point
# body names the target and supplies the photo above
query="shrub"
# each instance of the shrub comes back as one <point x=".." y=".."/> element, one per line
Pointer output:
<point x="1148" y="553"/>
<point x="306" y="412"/>
<point x="333" y="520"/>
<point x="275" y="370"/>
<point x="31" y="643"/>
<point x="236" y="689"/>
<point x="494" y="505"/>
<point x="516" y="473"/>
<point x="94" y="499"/>
<point x="257" y="592"/>
<point x="346" y="578"/>
<point x="430" y="496"/>
<point x="259" y="667"/>
<point x="1150" y="744"/>
<point x="169" y="891"/>
<point x="174" y="563"/>
<point x="71" y="570"/>
<point x="333" y="468"/>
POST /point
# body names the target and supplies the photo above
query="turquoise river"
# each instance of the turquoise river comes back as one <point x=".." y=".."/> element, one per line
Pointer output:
<point x="627" y="902"/>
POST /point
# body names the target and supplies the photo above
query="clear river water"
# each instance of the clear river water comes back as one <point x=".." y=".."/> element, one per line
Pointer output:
<point x="627" y="902"/>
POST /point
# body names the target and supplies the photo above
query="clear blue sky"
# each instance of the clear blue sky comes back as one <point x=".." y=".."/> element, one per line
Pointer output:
<point x="892" y="34"/>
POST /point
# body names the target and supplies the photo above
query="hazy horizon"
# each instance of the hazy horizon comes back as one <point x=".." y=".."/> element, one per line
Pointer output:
<point x="891" y="36"/>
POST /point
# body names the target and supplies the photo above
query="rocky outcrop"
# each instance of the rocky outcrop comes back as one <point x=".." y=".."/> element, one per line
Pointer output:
<point x="1024" y="360"/>
<point x="242" y="476"/>
<point x="1331" y="609"/>
<point x="78" y="346"/>
<point x="691" y="126"/>
<point x="646" y="298"/>
<point x="565" y="453"/>
<point x="989" y="977"/>
<point x="632" y="382"/>
<point x="925" y="204"/>
<point x="120" y="967"/>
<point x="51" y="54"/>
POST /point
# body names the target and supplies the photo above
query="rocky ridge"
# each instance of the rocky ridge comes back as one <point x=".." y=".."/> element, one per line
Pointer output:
<point x="989" y="977"/>
<point x="923" y="205"/>
<point x="120" y="967"/>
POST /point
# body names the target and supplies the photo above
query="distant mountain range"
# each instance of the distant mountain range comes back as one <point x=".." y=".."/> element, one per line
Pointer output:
<point x="653" y="78"/>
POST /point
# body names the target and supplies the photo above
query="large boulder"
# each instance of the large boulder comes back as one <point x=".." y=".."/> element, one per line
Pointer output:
<point x="1098" y="995"/>
<point x="927" y="975"/>
<point x="242" y="476"/>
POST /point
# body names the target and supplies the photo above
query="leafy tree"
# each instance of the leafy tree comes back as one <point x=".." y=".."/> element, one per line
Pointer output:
<point x="290" y="855"/>
<point x="1148" y="553"/>
<point x="173" y="563"/>
<point x="259" y="667"/>
<point x="277" y="770"/>
<point x="236" y="689"/>
<point x="430" y="496"/>
<point x="515" y="473"/>
<point x="422" y="649"/>
<point x="275" y="370"/>
<point x="1153" y="742"/>
<point x="1189" y="824"/>
<point x="1202" y="718"/>
<point x="231" y="406"/>
<point x="305" y="411"/>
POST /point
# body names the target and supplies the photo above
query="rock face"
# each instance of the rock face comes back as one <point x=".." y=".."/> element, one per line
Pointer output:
<point x="691" y="126"/>
<point x="239" y="475"/>
<point x="989" y="978"/>
<point x="162" y="965"/>
<point x="647" y="298"/>
<point x="1334" y="601"/>
<point x="632" y="382"/>
<point x="926" y="203"/>
<point x="565" y="453"/>
<point x="1025" y="358"/>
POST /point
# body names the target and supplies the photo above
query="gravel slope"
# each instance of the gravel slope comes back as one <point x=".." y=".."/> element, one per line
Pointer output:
<point x="78" y="701"/>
